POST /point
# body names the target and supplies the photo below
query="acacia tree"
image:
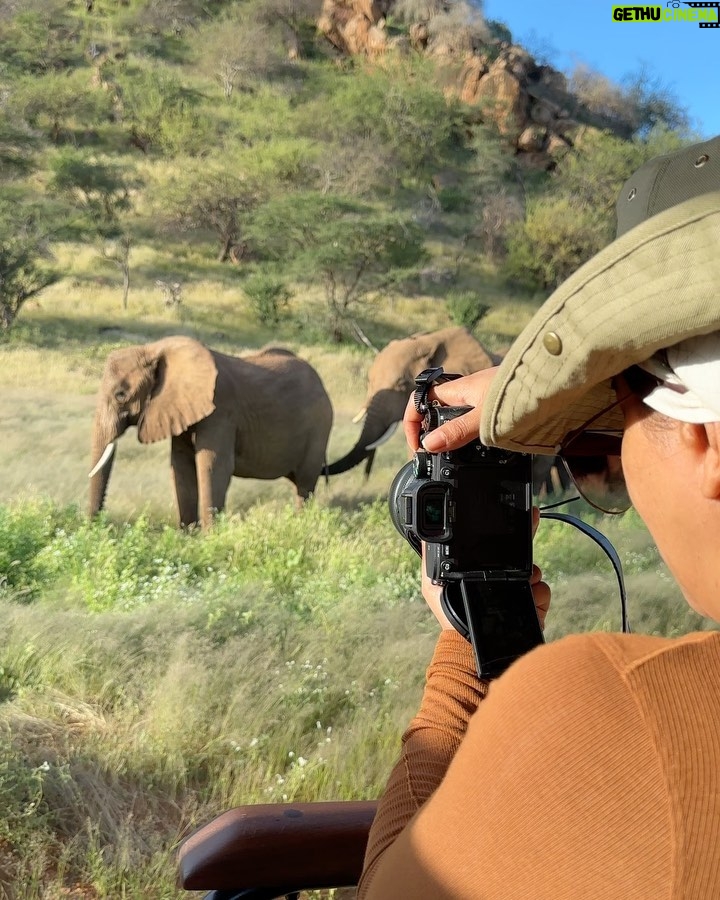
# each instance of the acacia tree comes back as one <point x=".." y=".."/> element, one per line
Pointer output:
<point x="350" y="248"/>
<point x="239" y="53"/>
<point x="101" y="190"/>
<point x="22" y="273"/>
<point x="101" y="193"/>
<point x="210" y="198"/>
<point x="58" y="102"/>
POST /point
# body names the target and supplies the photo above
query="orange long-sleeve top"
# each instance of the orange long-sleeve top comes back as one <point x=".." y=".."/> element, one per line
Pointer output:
<point x="590" y="769"/>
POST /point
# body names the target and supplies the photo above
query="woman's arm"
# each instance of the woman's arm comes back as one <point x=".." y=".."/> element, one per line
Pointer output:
<point x="554" y="792"/>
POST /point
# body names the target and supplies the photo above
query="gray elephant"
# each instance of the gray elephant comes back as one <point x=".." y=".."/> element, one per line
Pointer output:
<point x="261" y="416"/>
<point x="391" y="380"/>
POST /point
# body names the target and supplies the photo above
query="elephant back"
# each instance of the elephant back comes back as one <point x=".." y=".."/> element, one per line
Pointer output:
<point x="274" y="382"/>
<point x="460" y="352"/>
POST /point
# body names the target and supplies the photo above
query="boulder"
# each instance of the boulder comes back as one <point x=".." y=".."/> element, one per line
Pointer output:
<point x="532" y="139"/>
<point x="503" y="101"/>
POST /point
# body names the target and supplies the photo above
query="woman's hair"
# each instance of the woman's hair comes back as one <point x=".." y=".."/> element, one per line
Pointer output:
<point x="641" y="383"/>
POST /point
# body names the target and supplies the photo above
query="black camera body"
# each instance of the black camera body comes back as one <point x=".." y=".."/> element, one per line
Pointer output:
<point x="473" y="509"/>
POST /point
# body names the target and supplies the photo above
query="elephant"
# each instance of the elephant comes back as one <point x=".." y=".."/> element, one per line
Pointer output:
<point x="265" y="415"/>
<point x="391" y="380"/>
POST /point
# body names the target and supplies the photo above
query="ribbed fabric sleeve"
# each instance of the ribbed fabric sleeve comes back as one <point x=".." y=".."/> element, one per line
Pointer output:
<point x="452" y="693"/>
<point x="590" y="770"/>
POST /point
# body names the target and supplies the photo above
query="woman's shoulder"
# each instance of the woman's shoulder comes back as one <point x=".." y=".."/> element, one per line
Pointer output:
<point x="628" y="652"/>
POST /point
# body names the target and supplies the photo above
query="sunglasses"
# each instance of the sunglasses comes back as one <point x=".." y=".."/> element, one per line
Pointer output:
<point x="591" y="456"/>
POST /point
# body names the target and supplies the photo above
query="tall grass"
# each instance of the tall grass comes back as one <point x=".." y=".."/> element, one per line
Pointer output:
<point x="151" y="678"/>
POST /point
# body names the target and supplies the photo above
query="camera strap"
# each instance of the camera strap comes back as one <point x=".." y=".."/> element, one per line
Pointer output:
<point x="608" y="549"/>
<point x="424" y="381"/>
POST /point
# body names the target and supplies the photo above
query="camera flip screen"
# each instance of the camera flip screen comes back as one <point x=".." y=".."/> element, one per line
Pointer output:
<point x="491" y="519"/>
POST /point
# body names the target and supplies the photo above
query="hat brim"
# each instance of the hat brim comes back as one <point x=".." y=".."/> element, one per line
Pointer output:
<point x="651" y="288"/>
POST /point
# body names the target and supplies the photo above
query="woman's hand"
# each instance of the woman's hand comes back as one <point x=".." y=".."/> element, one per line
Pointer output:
<point x="470" y="390"/>
<point x="540" y="590"/>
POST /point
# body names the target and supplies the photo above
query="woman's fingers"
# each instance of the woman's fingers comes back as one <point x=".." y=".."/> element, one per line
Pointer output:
<point x="470" y="390"/>
<point x="541" y="594"/>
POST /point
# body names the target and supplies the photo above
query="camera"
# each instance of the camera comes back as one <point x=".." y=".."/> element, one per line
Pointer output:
<point x="472" y="507"/>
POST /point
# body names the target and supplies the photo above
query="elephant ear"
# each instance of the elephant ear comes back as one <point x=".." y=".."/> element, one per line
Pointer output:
<point x="428" y="353"/>
<point x="183" y="390"/>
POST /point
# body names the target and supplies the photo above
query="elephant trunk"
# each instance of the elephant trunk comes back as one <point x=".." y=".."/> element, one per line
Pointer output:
<point x="105" y="433"/>
<point x="384" y="412"/>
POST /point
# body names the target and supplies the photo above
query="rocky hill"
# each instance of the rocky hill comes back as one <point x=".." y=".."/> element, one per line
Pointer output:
<point x="530" y="104"/>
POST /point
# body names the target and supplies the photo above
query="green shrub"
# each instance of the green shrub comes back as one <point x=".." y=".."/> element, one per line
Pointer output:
<point x="454" y="199"/>
<point x="466" y="308"/>
<point x="268" y="296"/>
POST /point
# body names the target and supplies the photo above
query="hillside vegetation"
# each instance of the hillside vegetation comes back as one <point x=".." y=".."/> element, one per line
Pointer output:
<point x="223" y="170"/>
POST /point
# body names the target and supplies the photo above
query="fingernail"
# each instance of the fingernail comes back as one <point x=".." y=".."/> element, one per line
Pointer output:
<point x="434" y="442"/>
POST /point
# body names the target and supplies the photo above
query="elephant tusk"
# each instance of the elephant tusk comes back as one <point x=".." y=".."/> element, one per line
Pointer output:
<point x="383" y="438"/>
<point x="360" y="415"/>
<point x="104" y="459"/>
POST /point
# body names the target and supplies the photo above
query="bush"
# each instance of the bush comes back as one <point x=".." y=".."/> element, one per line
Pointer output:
<point x="466" y="308"/>
<point x="268" y="296"/>
<point x="557" y="237"/>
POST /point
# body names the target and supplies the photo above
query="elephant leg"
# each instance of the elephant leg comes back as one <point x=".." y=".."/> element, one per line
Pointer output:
<point x="307" y="473"/>
<point x="214" y="468"/>
<point x="182" y="465"/>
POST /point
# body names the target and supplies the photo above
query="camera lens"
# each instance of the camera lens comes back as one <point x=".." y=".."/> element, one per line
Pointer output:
<point x="400" y="512"/>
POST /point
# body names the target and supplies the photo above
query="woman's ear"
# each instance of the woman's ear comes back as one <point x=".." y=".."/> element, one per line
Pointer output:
<point x="704" y="441"/>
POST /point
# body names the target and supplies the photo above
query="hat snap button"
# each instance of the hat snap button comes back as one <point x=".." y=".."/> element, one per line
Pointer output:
<point x="552" y="343"/>
<point x="701" y="160"/>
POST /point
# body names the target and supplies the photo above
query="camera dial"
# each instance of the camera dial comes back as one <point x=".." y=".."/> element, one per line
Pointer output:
<point x="422" y="464"/>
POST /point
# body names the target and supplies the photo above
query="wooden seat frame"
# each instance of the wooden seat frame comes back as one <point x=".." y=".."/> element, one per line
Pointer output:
<point x="266" y="851"/>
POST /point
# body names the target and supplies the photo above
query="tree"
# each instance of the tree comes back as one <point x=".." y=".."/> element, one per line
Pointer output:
<point x="38" y="39"/>
<point x="22" y="273"/>
<point x="633" y="108"/>
<point x="557" y="236"/>
<point x="160" y="112"/>
<point x="100" y="190"/>
<point x="239" y="53"/>
<point x="118" y="253"/>
<point x="654" y="103"/>
<point x="58" y="102"/>
<point x="400" y="107"/>
<point x="212" y="198"/>
<point x="573" y="215"/>
<point x="350" y="248"/>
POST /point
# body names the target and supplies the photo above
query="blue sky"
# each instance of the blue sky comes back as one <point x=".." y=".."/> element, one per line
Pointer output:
<point x="563" y="33"/>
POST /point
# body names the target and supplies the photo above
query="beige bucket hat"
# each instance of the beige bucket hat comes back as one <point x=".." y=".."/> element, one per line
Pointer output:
<point x="656" y="284"/>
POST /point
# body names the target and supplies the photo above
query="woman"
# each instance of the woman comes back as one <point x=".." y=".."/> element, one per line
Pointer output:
<point x="591" y="767"/>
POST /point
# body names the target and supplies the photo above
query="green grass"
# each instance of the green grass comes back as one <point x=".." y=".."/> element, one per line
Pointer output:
<point x="150" y="678"/>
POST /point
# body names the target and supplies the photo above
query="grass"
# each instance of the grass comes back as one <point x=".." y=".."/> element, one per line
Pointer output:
<point x="149" y="678"/>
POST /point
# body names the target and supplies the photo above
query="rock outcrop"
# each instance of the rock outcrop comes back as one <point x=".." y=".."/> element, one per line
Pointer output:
<point x="528" y="103"/>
